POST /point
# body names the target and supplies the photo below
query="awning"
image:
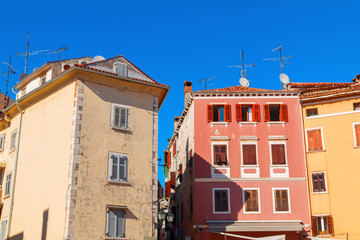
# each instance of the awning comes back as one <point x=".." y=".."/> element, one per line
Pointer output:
<point x="272" y="226"/>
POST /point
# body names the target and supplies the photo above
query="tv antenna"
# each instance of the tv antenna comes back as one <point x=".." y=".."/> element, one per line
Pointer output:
<point x="11" y="70"/>
<point x="283" y="77"/>
<point x="280" y="58"/>
<point x="243" y="66"/>
<point x="27" y="53"/>
<point x="59" y="50"/>
<point x="205" y="80"/>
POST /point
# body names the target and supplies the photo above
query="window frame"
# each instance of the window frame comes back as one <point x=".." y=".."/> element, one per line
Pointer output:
<point x="354" y="134"/>
<point x="110" y="167"/>
<point x="354" y="106"/>
<point x="312" y="183"/>
<point x="330" y="227"/>
<point x="7" y="191"/>
<point x="2" y="142"/>
<point x="228" y="196"/>
<point x="119" y="208"/>
<point x="274" y="200"/>
<point x="278" y="142"/>
<point x="311" y="109"/>
<point x="41" y="80"/>
<point x="242" y="153"/>
<point x="13" y="147"/>
<point x="244" y="202"/>
<point x="213" y="155"/>
<point x="322" y="139"/>
<point x="112" y="117"/>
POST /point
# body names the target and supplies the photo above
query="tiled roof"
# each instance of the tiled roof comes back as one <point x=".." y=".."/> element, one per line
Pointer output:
<point x="112" y="73"/>
<point x="322" y="89"/>
<point x="237" y="89"/>
<point x="319" y="85"/>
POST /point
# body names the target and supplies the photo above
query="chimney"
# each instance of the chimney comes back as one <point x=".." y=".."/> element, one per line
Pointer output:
<point x="356" y="79"/>
<point x="176" y="121"/>
<point x="187" y="91"/>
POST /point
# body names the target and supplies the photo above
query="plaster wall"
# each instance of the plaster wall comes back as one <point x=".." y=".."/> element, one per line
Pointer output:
<point x="43" y="167"/>
<point x="340" y="162"/>
<point x="94" y="192"/>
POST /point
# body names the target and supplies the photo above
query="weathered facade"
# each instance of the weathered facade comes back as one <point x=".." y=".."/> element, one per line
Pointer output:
<point x="84" y="163"/>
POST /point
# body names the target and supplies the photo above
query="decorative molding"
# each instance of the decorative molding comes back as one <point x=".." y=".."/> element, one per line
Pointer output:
<point x="300" y="179"/>
<point x="248" y="138"/>
<point x="279" y="137"/>
<point x="219" y="138"/>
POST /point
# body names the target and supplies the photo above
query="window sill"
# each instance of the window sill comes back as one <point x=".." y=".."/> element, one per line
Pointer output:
<point x="281" y="212"/>
<point x="356" y="147"/>
<point x="121" y="129"/>
<point x="316" y="193"/>
<point x="258" y="212"/>
<point x="219" y="123"/>
<point x="7" y="196"/>
<point x="11" y="150"/>
<point x="115" y="182"/>
<point x="279" y="165"/>
<point x="276" y="123"/>
<point x="247" y="123"/>
<point x="221" y="166"/>
<point x="315" y="151"/>
<point x="250" y="166"/>
<point x="112" y="238"/>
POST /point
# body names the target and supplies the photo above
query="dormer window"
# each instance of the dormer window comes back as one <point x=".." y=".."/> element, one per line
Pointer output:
<point x="23" y="91"/>
<point x="42" y="80"/>
<point x="121" y="69"/>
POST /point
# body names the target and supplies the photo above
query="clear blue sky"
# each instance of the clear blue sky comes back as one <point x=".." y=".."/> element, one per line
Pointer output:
<point x="173" y="41"/>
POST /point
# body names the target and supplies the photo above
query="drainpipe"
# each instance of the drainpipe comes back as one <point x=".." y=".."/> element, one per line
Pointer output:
<point x="16" y="163"/>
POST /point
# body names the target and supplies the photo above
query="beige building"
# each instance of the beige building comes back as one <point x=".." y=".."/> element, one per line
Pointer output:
<point x="79" y="152"/>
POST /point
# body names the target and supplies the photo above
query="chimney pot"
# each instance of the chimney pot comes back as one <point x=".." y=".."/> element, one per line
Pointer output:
<point x="187" y="91"/>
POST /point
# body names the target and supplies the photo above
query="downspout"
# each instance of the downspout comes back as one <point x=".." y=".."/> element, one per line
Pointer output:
<point x="15" y="167"/>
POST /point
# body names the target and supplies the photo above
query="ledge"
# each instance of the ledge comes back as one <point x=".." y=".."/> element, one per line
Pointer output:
<point x="316" y="151"/>
<point x="277" y="138"/>
<point x="219" y="123"/>
<point x="219" y="138"/>
<point x="248" y="138"/>
<point x="119" y="182"/>
<point x="248" y="123"/>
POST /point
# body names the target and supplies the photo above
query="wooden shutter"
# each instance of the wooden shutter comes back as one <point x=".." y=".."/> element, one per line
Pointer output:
<point x="251" y="200"/>
<point x="168" y="159"/>
<point x="256" y="113"/>
<point x="278" y="154"/>
<point x="227" y="109"/>
<point x="174" y="149"/>
<point x="111" y="224"/>
<point x="283" y="112"/>
<point x="318" y="141"/>
<point x="314" y="227"/>
<point x="216" y="149"/>
<point x="357" y="134"/>
<point x="210" y="115"/>
<point x="167" y="189"/>
<point x="315" y="182"/>
<point x="311" y="140"/>
<point x="329" y="220"/>
<point x="172" y="178"/>
<point x="224" y="200"/>
<point x="238" y="112"/>
<point x="267" y="112"/>
<point x="249" y="154"/>
<point x="223" y="155"/>
<point x="284" y="200"/>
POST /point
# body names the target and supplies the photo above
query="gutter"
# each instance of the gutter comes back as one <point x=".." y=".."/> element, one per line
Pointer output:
<point x="15" y="167"/>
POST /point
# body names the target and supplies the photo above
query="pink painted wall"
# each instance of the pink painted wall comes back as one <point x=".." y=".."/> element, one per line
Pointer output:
<point x="295" y="158"/>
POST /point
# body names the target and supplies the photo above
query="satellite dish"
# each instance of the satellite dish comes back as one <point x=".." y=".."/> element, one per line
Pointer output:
<point x="66" y="67"/>
<point x="35" y="69"/>
<point x="22" y="76"/>
<point x="284" y="78"/>
<point x="244" y="82"/>
<point x="98" y="58"/>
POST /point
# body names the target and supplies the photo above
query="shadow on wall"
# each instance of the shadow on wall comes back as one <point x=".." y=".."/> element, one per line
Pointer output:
<point x="19" y="236"/>
<point x="44" y="224"/>
<point x="203" y="194"/>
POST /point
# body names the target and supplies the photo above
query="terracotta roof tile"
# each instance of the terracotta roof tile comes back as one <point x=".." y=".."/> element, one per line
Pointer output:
<point x="323" y="89"/>
<point x="237" y="89"/>
<point x="319" y="84"/>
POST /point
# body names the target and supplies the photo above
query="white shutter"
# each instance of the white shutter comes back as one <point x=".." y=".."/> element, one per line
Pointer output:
<point x="3" y="229"/>
<point x="111" y="223"/>
<point x="8" y="181"/>
<point x="2" y="143"/>
<point x="123" y="118"/>
<point x="114" y="165"/>
<point x="120" y="223"/>
<point x="122" y="168"/>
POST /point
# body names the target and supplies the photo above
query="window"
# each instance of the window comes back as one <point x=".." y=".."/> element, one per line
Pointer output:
<point x="118" y="167"/>
<point x="322" y="225"/>
<point x="278" y="154"/>
<point x="120" y="116"/>
<point x="42" y="80"/>
<point x="220" y="154"/>
<point x="249" y="154"/>
<point x="3" y="229"/>
<point x="251" y="200"/>
<point x="221" y="200"/>
<point x="318" y="182"/>
<point x="356" y="106"/>
<point x="12" y="140"/>
<point x="281" y="200"/>
<point x="121" y="69"/>
<point x="2" y="137"/>
<point x="311" y="112"/>
<point x="23" y="91"/>
<point x="276" y="112"/>
<point x="8" y="183"/>
<point x="115" y="223"/>
<point x="357" y="134"/>
<point x="247" y="113"/>
<point x="314" y="140"/>
<point x="219" y="113"/>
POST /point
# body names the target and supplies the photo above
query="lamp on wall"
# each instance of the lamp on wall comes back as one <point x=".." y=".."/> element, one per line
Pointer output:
<point x="170" y="217"/>
<point x="161" y="215"/>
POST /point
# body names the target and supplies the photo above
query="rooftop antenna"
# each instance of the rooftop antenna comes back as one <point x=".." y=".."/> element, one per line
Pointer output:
<point x="27" y="53"/>
<point x="205" y="80"/>
<point x="59" y="50"/>
<point x="283" y="77"/>
<point x="243" y="81"/>
<point x="10" y="70"/>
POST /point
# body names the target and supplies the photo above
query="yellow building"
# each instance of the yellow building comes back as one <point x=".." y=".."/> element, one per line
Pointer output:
<point x="78" y="151"/>
<point x="331" y="116"/>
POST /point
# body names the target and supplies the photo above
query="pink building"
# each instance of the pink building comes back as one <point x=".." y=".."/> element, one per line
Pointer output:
<point x="238" y="165"/>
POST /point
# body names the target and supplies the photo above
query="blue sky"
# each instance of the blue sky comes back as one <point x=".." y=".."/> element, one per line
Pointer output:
<point x="174" y="41"/>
